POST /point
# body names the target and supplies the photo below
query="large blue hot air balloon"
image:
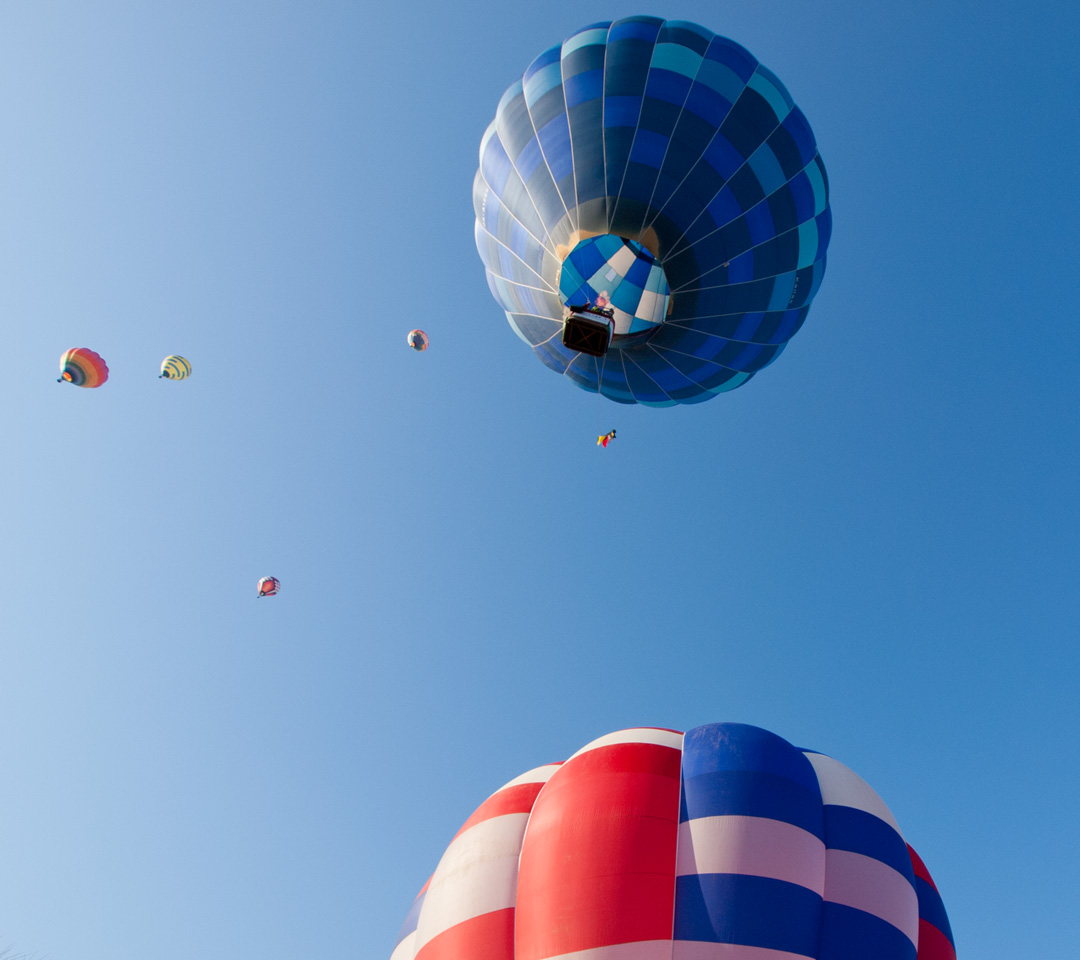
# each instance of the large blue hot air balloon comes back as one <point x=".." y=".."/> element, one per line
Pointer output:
<point x="652" y="211"/>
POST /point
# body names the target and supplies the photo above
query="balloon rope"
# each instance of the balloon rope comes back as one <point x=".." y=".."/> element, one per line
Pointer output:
<point x="599" y="381"/>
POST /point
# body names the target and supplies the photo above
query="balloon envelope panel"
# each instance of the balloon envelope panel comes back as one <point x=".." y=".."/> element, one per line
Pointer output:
<point x="675" y="138"/>
<point x="727" y="843"/>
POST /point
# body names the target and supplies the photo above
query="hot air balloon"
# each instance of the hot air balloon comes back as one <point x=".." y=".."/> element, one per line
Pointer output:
<point x="269" y="587"/>
<point x="175" y="368"/>
<point x="726" y="843"/>
<point x="82" y="367"/>
<point x="418" y="340"/>
<point x="654" y="170"/>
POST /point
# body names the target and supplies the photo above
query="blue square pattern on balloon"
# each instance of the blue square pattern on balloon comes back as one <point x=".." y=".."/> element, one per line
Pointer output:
<point x="706" y="103"/>
<point x="625" y="297"/>
<point x="645" y="389"/>
<point x="608" y="245"/>
<point x="817" y="182"/>
<point x="588" y="259"/>
<point x="808" y="243"/>
<point x="732" y="55"/>
<point x="748" y="326"/>
<point x="584" y="87"/>
<point x="668" y="378"/>
<point x="783" y="287"/>
<point x="799" y="130"/>
<point x="621" y="111"/>
<point x="544" y="80"/>
<point x="741" y="269"/>
<point x="657" y="282"/>
<point x="584" y="38"/>
<point x="549" y="56"/>
<point x="638" y="274"/>
<point x="737" y="379"/>
<point x="570" y="277"/>
<point x="649" y="149"/>
<point x="765" y="82"/>
<point x="496" y="165"/>
<point x="555" y="139"/>
<point x="492" y="209"/>
<point x="634" y="28"/>
<point x="676" y="58"/>
<point x="519" y="240"/>
<point x="529" y="159"/>
<point x="824" y="228"/>
<point x="667" y="86"/>
<point x="767" y="169"/>
<point x="722" y="156"/>
<point x="802" y="192"/>
<point x="760" y="223"/>
<point x="720" y="78"/>
<point x="689" y="34"/>
<point x="724" y="208"/>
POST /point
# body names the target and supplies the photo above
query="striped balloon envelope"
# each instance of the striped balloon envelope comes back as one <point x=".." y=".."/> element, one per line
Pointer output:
<point x="269" y="586"/>
<point x="175" y="368"/>
<point x="82" y="367"/>
<point x="726" y="843"/>
<point x="656" y="168"/>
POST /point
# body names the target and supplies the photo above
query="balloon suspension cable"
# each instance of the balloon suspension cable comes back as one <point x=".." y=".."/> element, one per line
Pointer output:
<point x="599" y="381"/>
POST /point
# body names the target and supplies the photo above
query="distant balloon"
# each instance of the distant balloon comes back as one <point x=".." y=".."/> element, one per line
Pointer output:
<point x="726" y="843"/>
<point x="83" y="367"/>
<point x="418" y="340"/>
<point x="269" y="587"/>
<point x="175" y="368"/>
<point x="656" y="167"/>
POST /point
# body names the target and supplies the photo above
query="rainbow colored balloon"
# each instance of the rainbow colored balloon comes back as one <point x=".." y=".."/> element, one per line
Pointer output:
<point x="726" y="843"/>
<point x="82" y="367"/>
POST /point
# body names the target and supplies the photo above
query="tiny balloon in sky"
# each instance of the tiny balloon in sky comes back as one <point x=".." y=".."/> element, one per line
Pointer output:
<point x="175" y="367"/>
<point x="82" y="367"/>
<point x="269" y="587"/>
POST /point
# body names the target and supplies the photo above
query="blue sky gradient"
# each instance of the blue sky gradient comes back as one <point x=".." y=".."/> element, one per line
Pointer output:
<point x="871" y="549"/>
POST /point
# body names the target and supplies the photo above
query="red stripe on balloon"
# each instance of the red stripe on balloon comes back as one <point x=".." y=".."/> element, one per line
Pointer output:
<point x="597" y="866"/>
<point x="487" y="937"/>
<point x="516" y="799"/>
<point x="933" y="944"/>
<point x="919" y="867"/>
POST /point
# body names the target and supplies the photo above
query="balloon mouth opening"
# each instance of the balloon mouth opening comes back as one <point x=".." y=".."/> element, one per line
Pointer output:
<point x="615" y="273"/>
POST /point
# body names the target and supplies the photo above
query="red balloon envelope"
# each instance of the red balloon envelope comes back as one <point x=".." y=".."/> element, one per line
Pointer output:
<point x="726" y="843"/>
<point x="269" y="587"/>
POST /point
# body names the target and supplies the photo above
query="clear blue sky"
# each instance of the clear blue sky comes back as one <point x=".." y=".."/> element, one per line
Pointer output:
<point x="871" y="549"/>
